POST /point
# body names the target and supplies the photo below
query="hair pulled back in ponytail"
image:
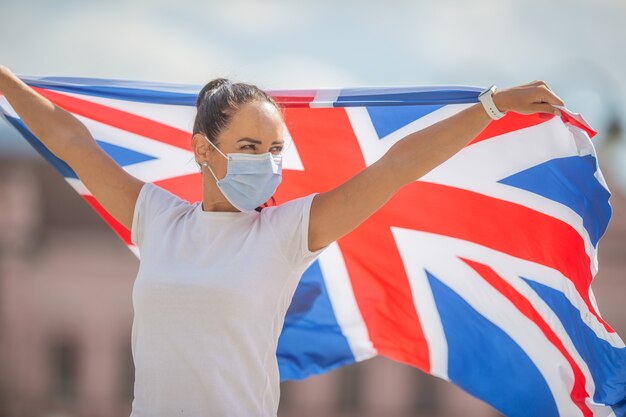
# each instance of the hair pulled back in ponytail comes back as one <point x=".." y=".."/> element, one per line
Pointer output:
<point x="218" y="100"/>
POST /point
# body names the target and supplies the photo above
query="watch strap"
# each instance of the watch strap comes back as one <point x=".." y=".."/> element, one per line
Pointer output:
<point x="487" y="100"/>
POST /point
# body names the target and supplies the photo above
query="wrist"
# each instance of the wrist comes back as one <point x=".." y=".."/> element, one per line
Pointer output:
<point x="500" y="101"/>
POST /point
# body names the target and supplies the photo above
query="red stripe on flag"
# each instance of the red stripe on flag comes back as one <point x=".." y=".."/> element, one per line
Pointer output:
<point x="117" y="227"/>
<point x="515" y="121"/>
<point x="120" y="119"/>
<point x="293" y="101"/>
<point x="511" y="122"/>
<point x="386" y="303"/>
<point x="569" y="119"/>
<point x="491" y="222"/>
<point x="578" y="392"/>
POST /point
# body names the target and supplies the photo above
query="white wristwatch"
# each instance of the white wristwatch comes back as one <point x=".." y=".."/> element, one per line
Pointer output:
<point x="488" y="104"/>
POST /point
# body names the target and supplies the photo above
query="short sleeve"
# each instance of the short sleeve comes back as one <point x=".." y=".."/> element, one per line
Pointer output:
<point x="290" y="225"/>
<point x="152" y="205"/>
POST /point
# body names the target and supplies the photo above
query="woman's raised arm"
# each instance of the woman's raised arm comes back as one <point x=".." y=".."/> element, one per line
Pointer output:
<point x="68" y="139"/>
<point x="338" y="211"/>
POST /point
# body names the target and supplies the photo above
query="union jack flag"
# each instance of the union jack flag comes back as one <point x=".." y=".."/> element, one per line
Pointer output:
<point x="478" y="273"/>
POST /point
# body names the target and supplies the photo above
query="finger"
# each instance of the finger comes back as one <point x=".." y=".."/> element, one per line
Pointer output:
<point x="545" y="95"/>
<point x="534" y="83"/>
<point x="545" y="108"/>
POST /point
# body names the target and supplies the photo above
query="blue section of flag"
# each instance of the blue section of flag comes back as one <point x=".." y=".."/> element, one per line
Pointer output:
<point x="571" y="182"/>
<point x="311" y="341"/>
<point x="371" y="97"/>
<point x="123" y="156"/>
<point x="486" y="362"/>
<point x="57" y="163"/>
<point x="113" y="89"/>
<point x="389" y="119"/>
<point x="606" y="363"/>
<point x="186" y="94"/>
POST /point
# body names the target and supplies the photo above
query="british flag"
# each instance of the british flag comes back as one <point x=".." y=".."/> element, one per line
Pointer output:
<point x="479" y="272"/>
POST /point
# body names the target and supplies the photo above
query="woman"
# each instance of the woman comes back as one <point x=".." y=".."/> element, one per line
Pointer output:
<point x="216" y="277"/>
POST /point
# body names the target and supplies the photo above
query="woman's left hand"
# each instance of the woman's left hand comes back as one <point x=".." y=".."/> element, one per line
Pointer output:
<point x="534" y="97"/>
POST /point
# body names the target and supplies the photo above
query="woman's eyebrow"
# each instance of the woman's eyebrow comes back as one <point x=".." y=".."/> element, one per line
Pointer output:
<point x="259" y="142"/>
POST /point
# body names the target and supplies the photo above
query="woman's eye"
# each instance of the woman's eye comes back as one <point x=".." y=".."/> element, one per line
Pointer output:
<point x="277" y="149"/>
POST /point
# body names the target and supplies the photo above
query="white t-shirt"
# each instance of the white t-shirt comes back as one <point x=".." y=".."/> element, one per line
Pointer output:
<point x="209" y="303"/>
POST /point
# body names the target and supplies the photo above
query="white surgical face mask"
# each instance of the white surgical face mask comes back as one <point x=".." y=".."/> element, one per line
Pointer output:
<point x="251" y="179"/>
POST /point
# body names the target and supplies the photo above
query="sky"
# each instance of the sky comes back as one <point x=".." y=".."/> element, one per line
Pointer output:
<point x="577" y="47"/>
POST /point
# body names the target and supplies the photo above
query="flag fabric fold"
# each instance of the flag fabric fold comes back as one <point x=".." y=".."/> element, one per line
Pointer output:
<point x="479" y="272"/>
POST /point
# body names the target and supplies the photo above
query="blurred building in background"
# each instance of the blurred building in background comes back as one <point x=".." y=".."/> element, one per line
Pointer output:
<point x="66" y="313"/>
<point x="65" y="306"/>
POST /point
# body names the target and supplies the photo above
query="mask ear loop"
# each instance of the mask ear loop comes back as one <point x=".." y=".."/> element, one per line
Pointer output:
<point x="205" y="164"/>
<point x="287" y="142"/>
<point x="218" y="149"/>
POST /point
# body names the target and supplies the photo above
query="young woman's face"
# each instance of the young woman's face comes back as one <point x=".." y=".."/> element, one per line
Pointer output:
<point x="257" y="127"/>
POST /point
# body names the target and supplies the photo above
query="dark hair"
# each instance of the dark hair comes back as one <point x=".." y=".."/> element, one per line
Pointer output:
<point x="216" y="103"/>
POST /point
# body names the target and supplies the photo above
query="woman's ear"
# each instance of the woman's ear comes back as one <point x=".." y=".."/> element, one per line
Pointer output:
<point x="200" y="145"/>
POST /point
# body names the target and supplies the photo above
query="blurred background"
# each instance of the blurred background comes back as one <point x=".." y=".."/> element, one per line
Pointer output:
<point x="66" y="278"/>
